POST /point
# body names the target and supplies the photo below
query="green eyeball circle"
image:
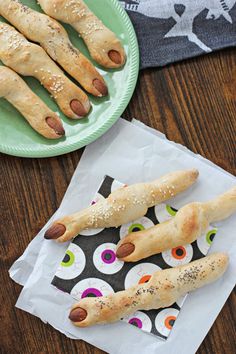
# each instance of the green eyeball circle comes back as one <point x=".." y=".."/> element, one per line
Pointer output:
<point x="72" y="264"/>
<point x="171" y="210"/>
<point x="68" y="259"/>
<point x="164" y="212"/>
<point x="210" y="236"/>
<point x="204" y="242"/>
<point x="136" y="227"/>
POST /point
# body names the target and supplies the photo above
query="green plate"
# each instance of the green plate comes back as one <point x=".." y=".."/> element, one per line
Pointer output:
<point x="19" y="139"/>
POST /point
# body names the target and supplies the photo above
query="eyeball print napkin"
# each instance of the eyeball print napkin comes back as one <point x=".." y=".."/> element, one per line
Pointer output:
<point x="90" y="267"/>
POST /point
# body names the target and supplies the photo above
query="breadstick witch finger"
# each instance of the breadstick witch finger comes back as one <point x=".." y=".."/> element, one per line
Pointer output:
<point x="29" y="59"/>
<point x="55" y="41"/>
<point x="102" y="43"/>
<point x="163" y="289"/>
<point x="39" y="116"/>
<point x="123" y="205"/>
<point x="189" y="223"/>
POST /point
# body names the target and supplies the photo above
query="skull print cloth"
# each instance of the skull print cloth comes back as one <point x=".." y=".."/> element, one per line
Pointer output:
<point x="172" y="30"/>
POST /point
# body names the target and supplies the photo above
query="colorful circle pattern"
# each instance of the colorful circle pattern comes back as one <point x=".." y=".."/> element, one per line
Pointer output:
<point x="136" y="225"/>
<point x="178" y="256"/>
<point x="165" y="320"/>
<point x="104" y="259"/>
<point x="140" y="320"/>
<point x="72" y="264"/>
<point x="91" y="287"/>
<point x="140" y="273"/>
<point x="205" y="241"/>
<point x="164" y="212"/>
<point x="91" y="292"/>
<point x="101" y="257"/>
<point x="108" y="256"/>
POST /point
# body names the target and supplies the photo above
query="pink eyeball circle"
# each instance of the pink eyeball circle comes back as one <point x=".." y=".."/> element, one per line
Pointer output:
<point x="104" y="259"/>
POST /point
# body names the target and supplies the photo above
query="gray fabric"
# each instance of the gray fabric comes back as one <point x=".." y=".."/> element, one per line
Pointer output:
<point x="172" y="30"/>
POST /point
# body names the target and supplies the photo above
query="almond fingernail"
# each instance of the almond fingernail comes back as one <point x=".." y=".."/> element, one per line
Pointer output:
<point x="100" y="86"/>
<point x="115" y="56"/>
<point x="78" y="108"/>
<point x="78" y="315"/>
<point x="55" y="231"/>
<point x="195" y="173"/>
<point x="56" y="125"/>
<point x="125" y="250"/>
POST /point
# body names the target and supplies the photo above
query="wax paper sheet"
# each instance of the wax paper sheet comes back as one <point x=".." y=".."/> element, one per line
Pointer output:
<point x="130" y="152"/>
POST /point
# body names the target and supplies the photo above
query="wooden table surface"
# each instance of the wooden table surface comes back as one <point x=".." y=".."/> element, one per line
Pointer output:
<point x="193" y="103"/>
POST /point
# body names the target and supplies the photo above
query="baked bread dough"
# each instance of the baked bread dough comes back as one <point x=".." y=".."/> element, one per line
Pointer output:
<point x="123" y="205"/>
<point x="189" y="223"/>
<point x="163" y="289"/>
<point x="44" y="30"/>
<point x="39" y="116"/>
<point x="103" y="45"/>
<point x="29" y="59"/>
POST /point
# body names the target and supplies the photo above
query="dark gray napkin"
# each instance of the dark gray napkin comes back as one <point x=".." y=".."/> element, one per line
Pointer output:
<point x="172" y="30"/>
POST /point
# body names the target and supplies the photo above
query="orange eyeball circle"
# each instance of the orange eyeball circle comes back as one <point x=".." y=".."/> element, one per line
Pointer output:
<point x="178" y="252"/>
<point x="144" y="279"/>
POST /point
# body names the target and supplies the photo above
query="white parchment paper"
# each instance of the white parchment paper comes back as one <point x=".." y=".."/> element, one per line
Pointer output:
<point x="129" y="152"/>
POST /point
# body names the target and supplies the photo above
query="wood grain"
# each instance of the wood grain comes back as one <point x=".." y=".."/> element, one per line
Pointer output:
<point x="193" y="103"/>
